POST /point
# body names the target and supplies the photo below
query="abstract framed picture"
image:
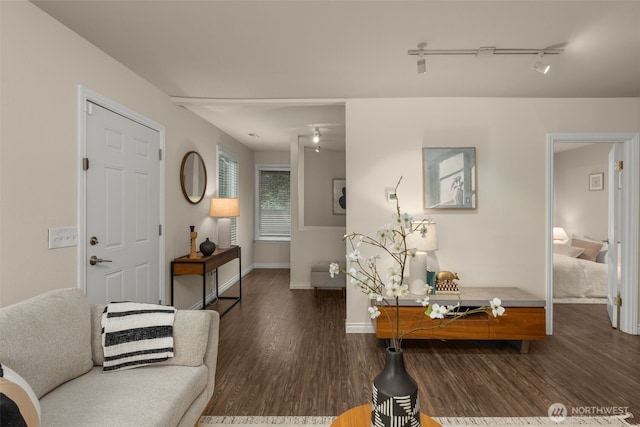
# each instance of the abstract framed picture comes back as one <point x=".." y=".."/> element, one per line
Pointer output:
<point x="449" y="178"/>
<point x="339" y="197"/>
<point x="596" y="181"/>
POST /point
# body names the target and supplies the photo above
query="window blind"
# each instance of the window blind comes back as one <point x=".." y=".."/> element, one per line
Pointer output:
<point x="273" y="204"/>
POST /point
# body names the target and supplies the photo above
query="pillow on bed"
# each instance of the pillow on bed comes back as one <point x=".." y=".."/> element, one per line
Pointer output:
<point x="591" y="249"/>
<point x="562" y="249"/>
<point x="603" y="256"/>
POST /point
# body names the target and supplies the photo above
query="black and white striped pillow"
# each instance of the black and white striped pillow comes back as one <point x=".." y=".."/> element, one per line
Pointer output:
<point x="136" y="334"/>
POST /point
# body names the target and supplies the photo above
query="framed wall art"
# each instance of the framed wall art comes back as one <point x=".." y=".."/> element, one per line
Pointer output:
<point x="449" y="178"/>
<point x="339" y="197"/>
<point x="596" y="181"/>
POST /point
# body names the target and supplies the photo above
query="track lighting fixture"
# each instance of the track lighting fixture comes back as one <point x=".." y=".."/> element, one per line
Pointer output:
<point x="541" y="67"/>
<point x="316" y="136"/>
<point x="422" y="66"/>
<point x="421" y="52"/>
<point x="317" y="149"/>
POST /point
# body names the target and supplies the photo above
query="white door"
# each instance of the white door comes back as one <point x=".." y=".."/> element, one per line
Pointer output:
<point x="615" y="155"/>
<point x="122" y="204"/>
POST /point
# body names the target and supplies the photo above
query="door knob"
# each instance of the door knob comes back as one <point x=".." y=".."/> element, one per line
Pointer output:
<point x="94" y="260"/>
<point x="93" y="240"/>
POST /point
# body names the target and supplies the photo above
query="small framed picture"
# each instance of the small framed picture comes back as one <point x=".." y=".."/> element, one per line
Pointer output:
<point x="596" y="181"/>
<point x="339" y="197"/>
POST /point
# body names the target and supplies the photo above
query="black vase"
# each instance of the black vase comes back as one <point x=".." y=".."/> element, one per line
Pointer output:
<point x="395" y="395"/>
<point x="207" y="247"/>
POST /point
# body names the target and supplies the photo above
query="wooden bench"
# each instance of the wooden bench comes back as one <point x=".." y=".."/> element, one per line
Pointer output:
<point x="524" y="319"/>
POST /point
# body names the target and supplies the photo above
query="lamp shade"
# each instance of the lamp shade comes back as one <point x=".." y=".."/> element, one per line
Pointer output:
<point x="224" y="207"/>
<point x="431" y="239"/>
<point x="559" y="235"/>
<point x="429" y="242"/>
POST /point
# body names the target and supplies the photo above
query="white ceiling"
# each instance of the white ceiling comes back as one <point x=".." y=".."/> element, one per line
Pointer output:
<point x="281" y="68"/>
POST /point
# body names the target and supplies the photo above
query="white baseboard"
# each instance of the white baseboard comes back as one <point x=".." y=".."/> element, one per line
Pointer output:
<point x="360" y="328"/>
<point x="300" y="285"/>
<point x="272" y="266"/>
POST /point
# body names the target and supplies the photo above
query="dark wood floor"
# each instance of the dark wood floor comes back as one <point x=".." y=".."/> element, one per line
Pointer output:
<point x="285" y="352"/>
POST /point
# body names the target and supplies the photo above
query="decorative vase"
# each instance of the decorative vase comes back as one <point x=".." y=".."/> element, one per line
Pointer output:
<point x="459" y="197"/>
<point x="207" y="247"/>
<point x="395" y="395"/>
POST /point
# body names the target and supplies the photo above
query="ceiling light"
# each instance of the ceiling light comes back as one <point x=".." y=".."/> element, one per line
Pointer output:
<point x="316" y="136"/>
<point x="541" y="67"/>
<point x="422" y="66"/>
<point x="421" y="52"/>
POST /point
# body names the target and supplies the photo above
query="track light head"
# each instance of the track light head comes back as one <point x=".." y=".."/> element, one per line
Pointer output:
<point x="316" y="136"/>
<point x="317" y="149"/>
<point x="422" y="66"/>
<point x="541" y="67"/>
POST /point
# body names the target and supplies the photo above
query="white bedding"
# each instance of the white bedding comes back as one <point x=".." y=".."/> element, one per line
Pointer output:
<point x="578" y="278"/>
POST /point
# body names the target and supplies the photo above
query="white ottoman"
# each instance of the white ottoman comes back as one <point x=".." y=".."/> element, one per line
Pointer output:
<point x="321" y="279"/>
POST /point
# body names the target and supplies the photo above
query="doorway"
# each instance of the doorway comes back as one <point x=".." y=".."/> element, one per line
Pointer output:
<point x="629" y="223"/>
<point x="121" y="203"/>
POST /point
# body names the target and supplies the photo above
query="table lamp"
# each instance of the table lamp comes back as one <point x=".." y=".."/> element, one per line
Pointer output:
<point x="559" y="235"/>
<point x="424" y="259"/>
<point x="224" y="209"/>
<point x="431" y="246"/>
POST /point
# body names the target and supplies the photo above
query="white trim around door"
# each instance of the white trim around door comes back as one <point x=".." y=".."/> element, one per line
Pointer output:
<point x="630" y="224"/>
<point x="85" y="95"/>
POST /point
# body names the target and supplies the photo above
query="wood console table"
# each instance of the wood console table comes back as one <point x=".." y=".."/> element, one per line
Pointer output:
<point x="524" y="318"/>
<point x="203" y="265"/>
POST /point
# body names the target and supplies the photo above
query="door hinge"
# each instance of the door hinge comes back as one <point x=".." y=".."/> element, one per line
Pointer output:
<point x="160" y="230"/>
<point x="160" y="154"/>
<point x="85" y="164"/>
<point x="619" y="165"/>
<point x="617" y="301"/>
<point x="89" y="108"/>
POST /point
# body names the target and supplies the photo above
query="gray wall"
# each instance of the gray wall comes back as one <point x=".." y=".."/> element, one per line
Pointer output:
<point x="578" y="210"/>
<point x="320" y="169"/>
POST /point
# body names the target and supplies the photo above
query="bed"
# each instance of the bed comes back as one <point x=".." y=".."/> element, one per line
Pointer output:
<point x="580" y="272"/>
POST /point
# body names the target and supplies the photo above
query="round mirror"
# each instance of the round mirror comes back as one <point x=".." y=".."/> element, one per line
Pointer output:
<point x="193" y="177"/>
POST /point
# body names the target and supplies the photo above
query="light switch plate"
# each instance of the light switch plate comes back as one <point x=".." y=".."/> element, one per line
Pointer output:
<point x="62" y="237"/>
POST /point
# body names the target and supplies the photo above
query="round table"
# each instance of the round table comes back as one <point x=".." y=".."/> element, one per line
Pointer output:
<point x="360" y="416"/>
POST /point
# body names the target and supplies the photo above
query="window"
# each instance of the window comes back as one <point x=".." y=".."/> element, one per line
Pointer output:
<point x="273" y="203"/>
<point x="228" y="172"/>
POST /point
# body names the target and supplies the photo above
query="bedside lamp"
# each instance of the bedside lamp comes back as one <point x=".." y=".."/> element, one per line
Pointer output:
<point x="224" y="209"/>
<point x="560" y="236"/>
